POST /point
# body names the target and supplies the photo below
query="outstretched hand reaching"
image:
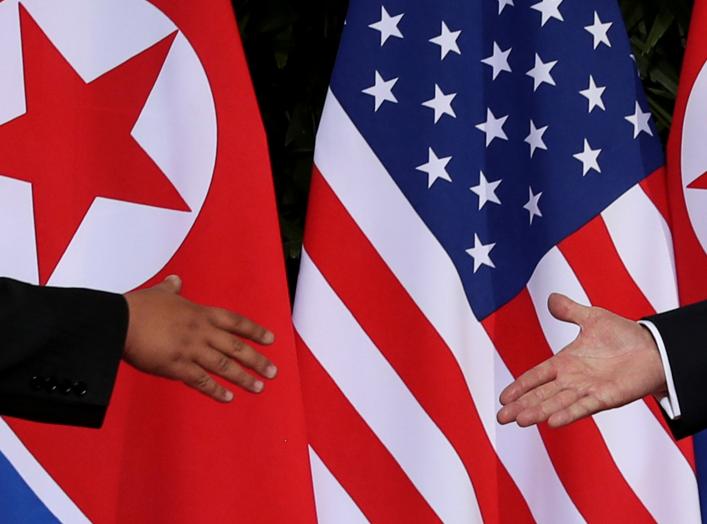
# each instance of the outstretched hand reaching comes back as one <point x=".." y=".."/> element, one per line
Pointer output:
<point x="172" y="337"/>
<point x="612" y="362"/>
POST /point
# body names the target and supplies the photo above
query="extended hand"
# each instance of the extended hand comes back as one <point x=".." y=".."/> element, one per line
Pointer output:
<point x="612" y="362"/>
<point x="174" y="338"/>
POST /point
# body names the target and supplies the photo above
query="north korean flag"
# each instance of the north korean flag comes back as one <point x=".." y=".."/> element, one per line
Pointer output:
<point x="131" y="148"/>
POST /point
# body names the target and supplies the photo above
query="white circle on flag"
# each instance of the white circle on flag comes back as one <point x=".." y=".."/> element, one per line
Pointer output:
<point x="119" y="245"/>
<point x="693" y="153"/>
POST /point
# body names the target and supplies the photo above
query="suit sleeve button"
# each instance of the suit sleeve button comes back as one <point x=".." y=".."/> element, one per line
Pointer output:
<point x="79" y="388"/>
<point x="49" y="384"/>
<point x="35" y="383"/>
<point x="65" y="387"/>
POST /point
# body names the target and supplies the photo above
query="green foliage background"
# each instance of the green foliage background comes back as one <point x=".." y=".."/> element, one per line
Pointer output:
<point x="291" y="47"/>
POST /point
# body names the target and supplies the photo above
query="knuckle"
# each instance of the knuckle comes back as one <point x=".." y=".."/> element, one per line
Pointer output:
<point x="238" y="346"/>
<point x="236" y="321"/>
<point x="197" y="320"/>
<point x="203" y="382"/>
<point x="540" y="394"/>
<point x="223" y="364"/>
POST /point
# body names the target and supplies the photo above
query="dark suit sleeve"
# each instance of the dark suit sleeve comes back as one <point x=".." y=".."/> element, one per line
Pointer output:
<point x="59" y="352"/>
<point x="684" y="334"/>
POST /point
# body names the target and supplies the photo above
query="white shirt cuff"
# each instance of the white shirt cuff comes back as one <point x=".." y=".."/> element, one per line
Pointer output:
<point x="669" y="403"/>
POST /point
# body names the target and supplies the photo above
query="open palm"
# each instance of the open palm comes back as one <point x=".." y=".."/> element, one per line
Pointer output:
<point x="612" y="362"/>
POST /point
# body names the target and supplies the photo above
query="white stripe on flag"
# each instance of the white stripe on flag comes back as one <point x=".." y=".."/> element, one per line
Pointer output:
<point x="645" y="245"/>
<point x="420" y="263"/>
<point x="649" y="460"/>
<point x="378" y="394"/>
<point x="39" y="481"/>
<point x="334" y="505"/>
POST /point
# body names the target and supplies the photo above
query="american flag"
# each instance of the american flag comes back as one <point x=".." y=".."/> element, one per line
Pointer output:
<point x="474" y="157"/>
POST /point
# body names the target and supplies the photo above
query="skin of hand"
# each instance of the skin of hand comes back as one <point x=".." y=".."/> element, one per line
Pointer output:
<point x="612" y="362"/>
<point x="171" y="337"/>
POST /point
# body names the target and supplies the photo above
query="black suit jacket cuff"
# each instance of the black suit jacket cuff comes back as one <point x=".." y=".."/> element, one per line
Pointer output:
<point x="684" y="333"/>
<point x="68" y="344"/>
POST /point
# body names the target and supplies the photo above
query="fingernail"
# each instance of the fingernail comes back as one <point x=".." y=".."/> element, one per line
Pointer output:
<point x="258" y="386"/>
<point x="271" y="371"/>
<point x="268" y="338"/>
<point x="228" y="396"/>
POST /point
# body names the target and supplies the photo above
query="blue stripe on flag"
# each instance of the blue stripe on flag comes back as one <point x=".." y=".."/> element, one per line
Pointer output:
<point x="19" y="502"/>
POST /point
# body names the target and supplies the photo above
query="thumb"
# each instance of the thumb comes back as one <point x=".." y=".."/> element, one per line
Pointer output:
<point x="171" y="284"/>
<point x="564" y="308"/>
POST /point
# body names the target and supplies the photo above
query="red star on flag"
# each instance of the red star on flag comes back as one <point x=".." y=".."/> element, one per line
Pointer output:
<point x="74" y="143"/>
<point x="699" y="183"/>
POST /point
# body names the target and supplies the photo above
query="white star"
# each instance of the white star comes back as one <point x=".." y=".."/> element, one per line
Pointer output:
<point x="486" y="190"/>
<point x="435" y="168"/>
<point x="441" y="103"/>
<point x="447" y="41"/>
<point x="640" y="121"/>
<point x="532" y="205"/>
<point x="598" y="30"/>
<point x="535" y="138"/>
<point x="387" y="25"/>
<point x="588" y="157"/>
<point x="493" y="127"/>
<point x="382" y="90"/>
<point x="502" y="5"/>
<point x="498" y="60"/>
<point x="541" y="72"/>
<point x="549" y="9"/>
<point x="481" y="253"/>
<point x="593" y="94"/>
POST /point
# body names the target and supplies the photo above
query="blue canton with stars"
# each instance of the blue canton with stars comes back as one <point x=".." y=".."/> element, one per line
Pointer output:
<point x="508" y="124"/>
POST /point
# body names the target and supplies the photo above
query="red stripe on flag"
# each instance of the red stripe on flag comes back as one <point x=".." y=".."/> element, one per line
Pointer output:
<point x="578" y="451"/>
<point x="353" y="453"/>
<point x="656" y="187"/>
<point x="612" y="288"/>
<point x="405" y="337"/>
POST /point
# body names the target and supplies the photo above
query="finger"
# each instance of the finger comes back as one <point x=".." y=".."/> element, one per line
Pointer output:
<point x="547" y="408"/>
<point x="235" y="348"/>
<point x="537" y="376"/>
<point x="240" y="325"/>
<point x="225" y="367"/>
<point x="196" y="377"/>
<point x="171" y="284"/>
<point x="531" y="399"/>
<point x="584" y="407"/>
<point x="564" y="308"/>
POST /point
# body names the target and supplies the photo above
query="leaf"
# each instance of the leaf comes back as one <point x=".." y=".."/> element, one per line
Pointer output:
<point x="661" y="24"/>
<point x="666" y="78"/>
